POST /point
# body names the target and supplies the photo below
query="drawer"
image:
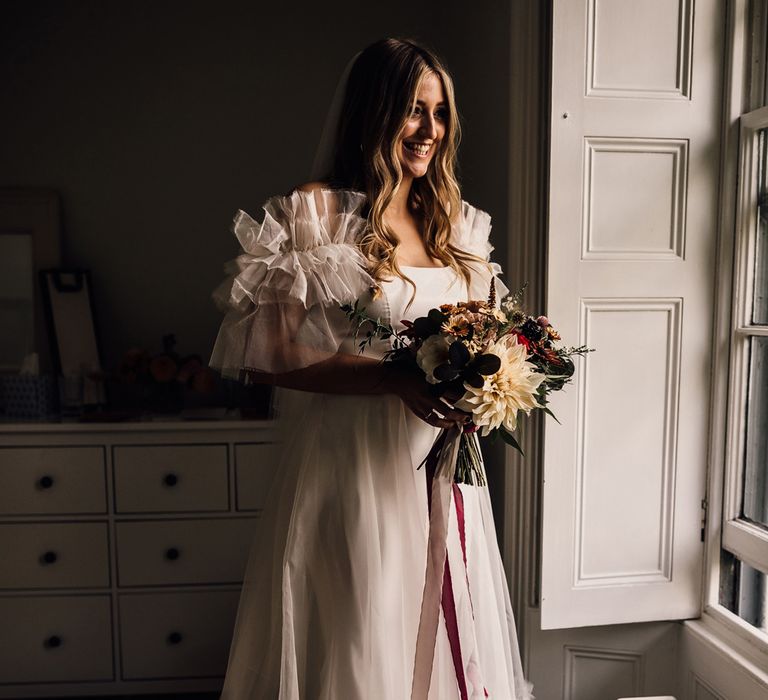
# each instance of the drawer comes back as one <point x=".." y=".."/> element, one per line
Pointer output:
<point x="176" y="635"/>
<point x="153" y="553"/>
<point x="255" y="466"/>
<point x="45" y="639"/>
<point x="171" y="478"/>
<point x="60" y="555"/>
<point x="43" y="480"/>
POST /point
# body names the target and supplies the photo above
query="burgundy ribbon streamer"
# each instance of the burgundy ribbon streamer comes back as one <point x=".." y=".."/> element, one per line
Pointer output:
<point x="458" y="499"/>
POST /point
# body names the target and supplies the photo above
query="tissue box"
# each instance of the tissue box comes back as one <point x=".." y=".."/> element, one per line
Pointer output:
<point x="27" y="396"/>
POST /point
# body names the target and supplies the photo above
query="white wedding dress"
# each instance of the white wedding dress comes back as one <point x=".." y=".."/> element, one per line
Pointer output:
<point x="333" y="589"/>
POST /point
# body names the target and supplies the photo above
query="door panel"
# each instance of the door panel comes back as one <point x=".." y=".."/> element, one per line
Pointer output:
<point x="635" y="134"/>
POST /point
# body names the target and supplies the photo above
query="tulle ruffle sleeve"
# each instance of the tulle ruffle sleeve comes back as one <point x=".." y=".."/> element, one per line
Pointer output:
<point x="472" y="235"/>
<point x="283" y="293"/>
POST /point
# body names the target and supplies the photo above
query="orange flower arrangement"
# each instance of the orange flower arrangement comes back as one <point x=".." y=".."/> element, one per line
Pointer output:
<point x="165" y="369"/>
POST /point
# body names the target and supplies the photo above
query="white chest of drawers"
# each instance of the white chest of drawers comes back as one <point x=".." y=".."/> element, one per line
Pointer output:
<point x="122" y="550"/>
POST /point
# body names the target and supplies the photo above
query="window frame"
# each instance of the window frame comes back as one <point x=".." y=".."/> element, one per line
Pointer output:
<point x="745" y="90"/>
<point x="744" y="539"/>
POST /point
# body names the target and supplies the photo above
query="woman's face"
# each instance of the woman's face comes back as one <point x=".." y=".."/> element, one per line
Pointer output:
<point x="424" y="129"/>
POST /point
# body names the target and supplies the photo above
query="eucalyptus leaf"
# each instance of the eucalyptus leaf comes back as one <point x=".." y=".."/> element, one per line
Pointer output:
<point x="437" y="317"/>
<point x="445" y="372"/>
<point x="474" y="379"/>
<point x="423" y="327"/>
<point x="458" y="354"/>
<point x="487" y="364"/>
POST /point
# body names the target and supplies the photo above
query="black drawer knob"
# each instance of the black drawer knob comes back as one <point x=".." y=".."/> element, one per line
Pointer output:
<point x="45" y="482"/>
<point x="48" y="557"/>
<point x="52" y="642"/>
<point x="172" y="553"/>
<point x="170" y="479"/>
<point x="175" y="638"/>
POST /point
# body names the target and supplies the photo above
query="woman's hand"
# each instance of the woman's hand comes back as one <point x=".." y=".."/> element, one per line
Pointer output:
<point x="416" y="395"/>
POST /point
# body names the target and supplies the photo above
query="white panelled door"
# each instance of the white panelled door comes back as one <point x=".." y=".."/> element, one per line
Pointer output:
<point x="635" y="139"/>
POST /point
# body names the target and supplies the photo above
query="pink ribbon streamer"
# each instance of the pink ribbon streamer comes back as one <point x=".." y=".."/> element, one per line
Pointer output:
<point x="458" y="500"/>
<point x="438" y="590"/>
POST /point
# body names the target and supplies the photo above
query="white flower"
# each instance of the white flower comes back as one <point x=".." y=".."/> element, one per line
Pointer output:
<point x="511" y="389"/>
<point x="499" y="315"/>
<point x="432" y="353"/>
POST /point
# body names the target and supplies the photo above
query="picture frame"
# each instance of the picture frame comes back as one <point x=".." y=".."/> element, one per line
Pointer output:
<point x="68" y="304"/>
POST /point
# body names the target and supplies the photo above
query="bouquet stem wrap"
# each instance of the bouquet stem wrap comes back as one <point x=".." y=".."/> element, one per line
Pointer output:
<point x="440" y="465"/>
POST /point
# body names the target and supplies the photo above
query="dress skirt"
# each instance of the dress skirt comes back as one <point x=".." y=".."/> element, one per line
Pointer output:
<point x="333" y="588"/>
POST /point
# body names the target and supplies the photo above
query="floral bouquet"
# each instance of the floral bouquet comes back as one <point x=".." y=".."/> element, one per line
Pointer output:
<point x="490" y="362"/>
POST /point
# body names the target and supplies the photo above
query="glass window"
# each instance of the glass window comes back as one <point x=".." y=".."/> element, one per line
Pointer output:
<point x="760" y="306"/>
<point x="756" y="448"/>
<point x="744" y="564"/>
<point x="743" y="591"/>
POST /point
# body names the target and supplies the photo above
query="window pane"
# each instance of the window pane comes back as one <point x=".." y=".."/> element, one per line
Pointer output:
<point x="743" y="590"/>
<point x="752" y="598"/>
<point x="760" y="307"/>
<point x="755" y="477"/>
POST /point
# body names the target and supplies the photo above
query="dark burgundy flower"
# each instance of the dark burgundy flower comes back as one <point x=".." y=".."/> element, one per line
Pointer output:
<point x="532" y="330"/>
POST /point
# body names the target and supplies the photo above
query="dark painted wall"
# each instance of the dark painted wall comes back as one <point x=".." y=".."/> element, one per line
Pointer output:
<point x="157" y="120"/>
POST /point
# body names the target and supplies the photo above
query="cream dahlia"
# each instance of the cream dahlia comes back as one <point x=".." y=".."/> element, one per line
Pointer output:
<point x="512" y="389"/>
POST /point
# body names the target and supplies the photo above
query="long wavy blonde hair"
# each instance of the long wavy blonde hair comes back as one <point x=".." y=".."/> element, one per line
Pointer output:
<point x="380" y="95"/>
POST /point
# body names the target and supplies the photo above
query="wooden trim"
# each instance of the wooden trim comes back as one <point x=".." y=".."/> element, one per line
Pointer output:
<point x="734" y="656"/>
<point x="757" y="68"/>
<point x="749" y="542"/>
<point x="530" y="52"/>
<point x="734" y="90"/>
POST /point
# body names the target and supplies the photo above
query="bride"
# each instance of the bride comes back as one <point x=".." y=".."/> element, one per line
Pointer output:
<point x="335" y="585"/>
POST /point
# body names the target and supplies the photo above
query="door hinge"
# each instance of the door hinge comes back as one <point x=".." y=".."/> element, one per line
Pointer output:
<point x="704" y="506"/>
